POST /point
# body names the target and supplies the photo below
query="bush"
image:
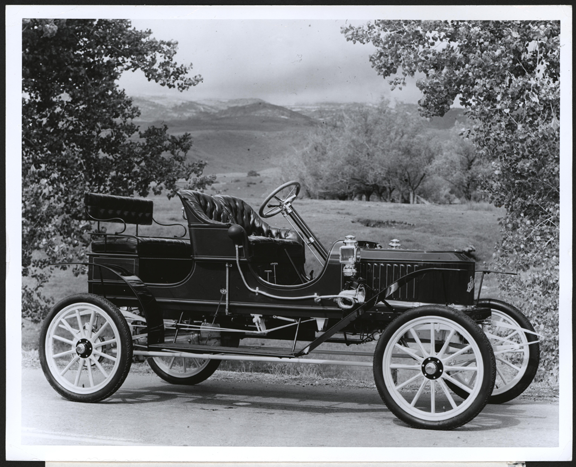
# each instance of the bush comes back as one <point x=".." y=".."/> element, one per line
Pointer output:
<point x="533" y="253"/>
<point x="35" y="305"/>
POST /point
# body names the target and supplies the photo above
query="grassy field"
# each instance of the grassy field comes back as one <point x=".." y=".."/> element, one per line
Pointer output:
<point x="427" y="227"/>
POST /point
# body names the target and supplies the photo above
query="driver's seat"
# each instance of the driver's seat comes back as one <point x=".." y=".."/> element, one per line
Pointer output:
<point x="241" y="213"/>
<point x="266" y="244"/>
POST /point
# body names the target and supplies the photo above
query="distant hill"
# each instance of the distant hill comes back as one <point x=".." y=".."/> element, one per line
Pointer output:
<point x="216" y="112"/>
<point x="263" y="109"/>
<point x="240" y="135"/>
<point x="323" y="110"/>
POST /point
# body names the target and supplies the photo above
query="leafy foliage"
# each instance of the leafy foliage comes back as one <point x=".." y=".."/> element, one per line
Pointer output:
<point x="459" y="164"/>
<point x="371" y="151"/>
<point x="506" y="75"/>
<point x="79" y="136"/>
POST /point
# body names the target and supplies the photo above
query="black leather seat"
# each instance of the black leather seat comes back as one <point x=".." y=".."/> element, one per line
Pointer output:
<point x="164" y="247"/>
<point x="266" y="243"/>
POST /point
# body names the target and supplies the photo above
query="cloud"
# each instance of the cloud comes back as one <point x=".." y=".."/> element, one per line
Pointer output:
<point x="282" y="61"/>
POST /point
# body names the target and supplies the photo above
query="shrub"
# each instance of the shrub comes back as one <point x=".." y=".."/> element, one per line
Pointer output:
<point x="533" y="252"/>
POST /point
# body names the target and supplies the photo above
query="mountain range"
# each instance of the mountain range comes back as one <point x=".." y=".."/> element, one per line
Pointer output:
<point x="240" y="135"/>
<point x="160" y="108"/>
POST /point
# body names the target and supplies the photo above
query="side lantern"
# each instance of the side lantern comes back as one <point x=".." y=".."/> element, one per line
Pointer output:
<point x="349" y="255"/>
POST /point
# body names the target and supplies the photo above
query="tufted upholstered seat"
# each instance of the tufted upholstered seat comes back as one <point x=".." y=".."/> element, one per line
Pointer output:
<point x="119" y="209"/>
<point x="266" y="243"/>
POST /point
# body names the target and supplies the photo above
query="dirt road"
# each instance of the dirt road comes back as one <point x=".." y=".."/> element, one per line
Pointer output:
<point x="244" y="409"/>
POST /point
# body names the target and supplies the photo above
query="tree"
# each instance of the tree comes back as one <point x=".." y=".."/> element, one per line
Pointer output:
<point x="460" y="165"/>
<point x="78" y="133"/>
<point x="414" y="150"/>
<point x="366" y="151"/>
<point x="506" y="75"/>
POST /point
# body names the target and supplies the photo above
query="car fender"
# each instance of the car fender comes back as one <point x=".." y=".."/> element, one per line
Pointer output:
<point x="146" y="301"/>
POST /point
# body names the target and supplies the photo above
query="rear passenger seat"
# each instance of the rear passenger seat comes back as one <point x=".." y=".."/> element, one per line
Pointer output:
<point x="142" y="246"/>
<point x="124" y="210"/>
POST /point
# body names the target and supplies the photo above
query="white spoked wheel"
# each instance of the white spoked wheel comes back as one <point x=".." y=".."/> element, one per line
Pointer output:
<point x="516" y="350"/>
<point x="85" y="348"/>
<point x="515" y="347"/>
<point x="414" y="360"/>
<point x="183" y="370"/>
<point x="511" y="350"/>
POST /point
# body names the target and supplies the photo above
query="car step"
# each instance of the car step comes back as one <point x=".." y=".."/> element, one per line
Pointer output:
<point x="216" y="349"/>
<point x="282" y="352"/>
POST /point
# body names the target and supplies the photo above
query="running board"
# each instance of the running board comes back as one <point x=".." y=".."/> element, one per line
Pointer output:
<point x="281" y="352"/>
<point x="218" y="349"/>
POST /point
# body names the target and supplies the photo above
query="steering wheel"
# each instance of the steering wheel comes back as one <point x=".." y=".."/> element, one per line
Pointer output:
<point x="276" y="203"/>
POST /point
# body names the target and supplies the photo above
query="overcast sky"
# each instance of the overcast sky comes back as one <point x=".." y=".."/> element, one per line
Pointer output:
<point x="285" y="55"/>
<point x="281" y="61"/>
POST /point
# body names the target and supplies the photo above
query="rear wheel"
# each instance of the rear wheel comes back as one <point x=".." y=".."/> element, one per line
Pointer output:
<point x="85" y="348"/>
<point x="414" y="358"/>
<point x="183" y="370"/>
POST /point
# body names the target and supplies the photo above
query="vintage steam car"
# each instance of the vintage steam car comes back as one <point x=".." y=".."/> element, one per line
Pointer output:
<point x="187" y="303"/>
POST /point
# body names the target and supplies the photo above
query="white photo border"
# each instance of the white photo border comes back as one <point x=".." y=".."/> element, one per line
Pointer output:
<point x="16" y="451"/>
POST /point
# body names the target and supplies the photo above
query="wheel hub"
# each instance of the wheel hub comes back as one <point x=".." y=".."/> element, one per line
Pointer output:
<point x="84" y="348"/>
<point x="432" y="368"/>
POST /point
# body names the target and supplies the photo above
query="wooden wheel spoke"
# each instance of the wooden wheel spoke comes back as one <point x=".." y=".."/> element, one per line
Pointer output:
<point x="61" y="339"/>
<point x="432" y="339"/>
<point x="91" y="323"/>
<point x="408" y="381"/>
<point x="104" y="355"/>
<point x="419" y="393"/>
<point x="520" y="348"/>
<point x="417" y="339"/>
<point x="100" y="367"/>
<point x="499" y="371"/>
<point x="404" y="366"/>
<point x="67" y="367"/>
<point x="446" y="391"/>
<point x="63" y="354"/>
<point x="458" y="353"/>
<point x="457" y="383"/>
<point x="90" y="377"/>
<point x="64" y="324"/>
<point x="79" y="373"/>
<point x="503" y="339"/>
<point x="79" y="319"/>
<point x="104" y="326"/>
<point x="506" y="362"/>
<point x="460" y="368"/>
<point x="446" y="343"/>
<point x="103" y="343"/>
<point x="410" y="352"/>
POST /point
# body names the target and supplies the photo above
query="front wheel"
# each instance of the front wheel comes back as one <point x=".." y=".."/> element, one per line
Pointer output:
<point x="516" y="350"/>
<point x="515" y="347"/>
<point x="414" y="358"/>
<point x="85" y="348"/>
